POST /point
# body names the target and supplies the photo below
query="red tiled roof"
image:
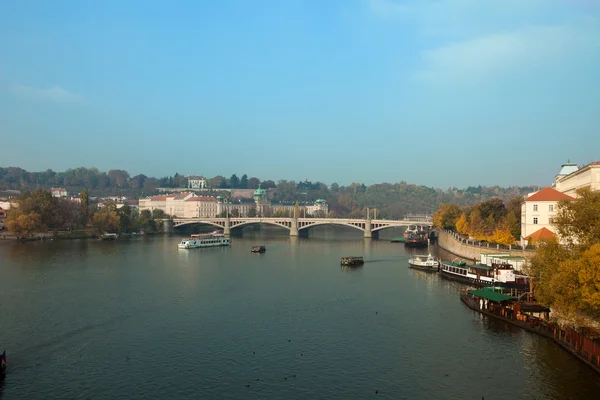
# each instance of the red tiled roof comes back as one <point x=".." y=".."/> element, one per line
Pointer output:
<point x="158" y="198"/>
<point x="203" y="198"/>
<point x="594" y="163"/>
<point x="548" y="194"/>
<point x="62" y="189"/>
<point x="541" y="234"/>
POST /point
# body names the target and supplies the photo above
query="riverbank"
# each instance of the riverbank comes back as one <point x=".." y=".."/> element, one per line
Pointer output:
<point x="575" y="343"/>
<point x="472" y="249"/>
<point x="70" y="235"/>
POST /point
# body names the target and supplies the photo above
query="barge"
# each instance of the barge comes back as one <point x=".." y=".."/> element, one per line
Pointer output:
<point x="258" y="249"/>
<point x="352" y="261"/>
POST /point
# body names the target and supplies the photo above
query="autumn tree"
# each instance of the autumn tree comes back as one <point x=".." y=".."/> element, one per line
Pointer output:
<point x="476" y="225"/>
<point x="24" y="224"/>
<point x="105" y="221"/>
<point x="446" y="216"/>
<point x="462" y="225"/>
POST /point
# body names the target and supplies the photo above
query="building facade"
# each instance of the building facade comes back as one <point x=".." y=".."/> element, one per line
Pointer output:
<point x="58" y="192"/>
<point x="570" y="178"/>
<point x="537" y="212"/>
<point x="196" y="182"/>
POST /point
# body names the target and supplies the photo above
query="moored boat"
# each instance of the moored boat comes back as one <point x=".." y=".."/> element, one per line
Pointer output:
<point x="501" y="275"/>
<point x="109" y="236"/>
<point x="415" y="238"/>
<point x="425" y="263"/>
<point x="258" y="249"/>
<point x="204" y="240"/>
<point x="352" y="261"/>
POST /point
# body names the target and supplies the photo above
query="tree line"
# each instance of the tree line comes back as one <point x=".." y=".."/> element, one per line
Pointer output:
<point x="492" y="220"/>
<point x="386" y="200"/>
<point x="39" y="212"/>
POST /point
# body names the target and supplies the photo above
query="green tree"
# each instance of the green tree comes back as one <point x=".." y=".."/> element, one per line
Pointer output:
<point x="85" y="206"/>
<point x="106" y="221"/>
<point x="252" y="212"/>
<point x="244" y="182"/>
<point x="578" y="221"/>
<point x="234" y="181"/>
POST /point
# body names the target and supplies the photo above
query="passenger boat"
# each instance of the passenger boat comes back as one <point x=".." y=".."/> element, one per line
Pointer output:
<point x="352" y="261"/>
<point x="425" y="263"/>
<point x="3" y="365"/>
<point x="204" y="240"/>
<point x="108" y="236"/>
<point x="258" y="249"/>
<point x="502" y="275"/>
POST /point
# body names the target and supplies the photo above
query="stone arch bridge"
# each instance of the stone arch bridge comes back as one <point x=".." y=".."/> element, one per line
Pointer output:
<point x="370" y="227"/>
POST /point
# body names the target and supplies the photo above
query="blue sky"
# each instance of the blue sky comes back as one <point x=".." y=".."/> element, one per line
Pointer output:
<point x="439" y="93"/>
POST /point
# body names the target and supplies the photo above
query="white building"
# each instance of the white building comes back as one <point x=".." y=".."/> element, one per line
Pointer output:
<point x="196" y="182"/>
<point x="537" y="212"/>
<point x="58" y="192"/>
<point x="570" y="178"/>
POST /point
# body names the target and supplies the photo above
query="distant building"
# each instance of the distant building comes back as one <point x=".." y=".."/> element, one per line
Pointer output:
<point x="537" y="212"/>
<point x="58" y="192"/>
<point x="571" y="177"/>
<point x="196" y="182"/>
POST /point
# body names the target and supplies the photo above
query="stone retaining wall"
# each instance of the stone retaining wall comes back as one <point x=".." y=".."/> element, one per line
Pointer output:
<point x="470" y="251"/>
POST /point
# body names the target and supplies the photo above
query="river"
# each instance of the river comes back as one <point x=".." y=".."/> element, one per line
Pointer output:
<point x="140" y="319"/>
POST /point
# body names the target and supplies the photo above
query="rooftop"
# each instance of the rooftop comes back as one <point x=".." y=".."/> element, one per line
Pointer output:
<point x="490" y="295"/>
<point x="202" y="198"/>
<point x="548" y="194"/>
<point x="541" y="234"/>
<point x="567" y="169"/>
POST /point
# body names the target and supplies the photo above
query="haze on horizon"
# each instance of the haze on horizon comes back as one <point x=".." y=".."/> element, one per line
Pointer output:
<point x="439" y="93"/>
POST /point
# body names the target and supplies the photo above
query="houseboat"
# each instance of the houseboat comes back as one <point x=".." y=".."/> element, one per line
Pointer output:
<point x="204" y="240"/>
<point x="258" y="249"/>
<point x="352" y="261"/>
<point x="425" y="263"/>
<point x="501" y="275"/>
<point x="416" y="238"/>
<point x="109" y="236"/>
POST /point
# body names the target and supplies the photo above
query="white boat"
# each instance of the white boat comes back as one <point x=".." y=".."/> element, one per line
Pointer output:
<point x="501" y="275"/>
<point x="427" y="263"/>
<point x="204" y="240"/>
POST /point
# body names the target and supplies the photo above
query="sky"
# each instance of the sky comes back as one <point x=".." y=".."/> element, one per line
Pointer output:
<point x="442" y="93"/>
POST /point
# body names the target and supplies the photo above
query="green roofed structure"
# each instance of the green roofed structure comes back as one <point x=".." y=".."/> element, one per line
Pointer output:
<point x="490" y="295"/>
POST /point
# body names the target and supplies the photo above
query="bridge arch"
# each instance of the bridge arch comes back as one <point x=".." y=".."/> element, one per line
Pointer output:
<point x="324" y="223"/>
<point x="200" y="222"/>
<point x="248" y="223"/>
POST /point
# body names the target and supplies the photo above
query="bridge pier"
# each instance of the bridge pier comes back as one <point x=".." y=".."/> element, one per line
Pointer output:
<point x="368" y="232"/>
<point x="294" y="227"/>
<point x="168" y="226"/>
<point x="227" y="227"/>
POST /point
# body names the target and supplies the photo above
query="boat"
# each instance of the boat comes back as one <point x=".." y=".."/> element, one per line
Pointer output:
<point x="425" y="263"/>
<point x="213" y="239"/>
<point x="3" y="365"/>
<point x="415" y="238"/>
<point x="258" y="249"/>
<point x="352" y="261"/>
<point x="500" y="275"/>
<point x="109" y="236"/>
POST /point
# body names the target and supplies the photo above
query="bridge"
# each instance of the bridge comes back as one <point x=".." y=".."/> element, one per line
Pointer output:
<point x="296" y="226"/>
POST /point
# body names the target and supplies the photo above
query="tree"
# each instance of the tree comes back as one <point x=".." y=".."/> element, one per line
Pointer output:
<point x="118" y="177"/>
<point x="234" y="181"/>
<point x="268" y="184"/>
<point x="253" y="183"/>
<point x="244" y="182"/>
<point x="85" y="206"/>
<point x="503" y="236"/>
<point x="476" y="225"/>
<point x="446" y="216"/>
<point x="23" y="225"/>
<point x="157" y="213"/>
<point x="462" y="225"/>
<point x="105" y="220"/>
<point x="578" y="221"/>
<point x="252" y="212"/>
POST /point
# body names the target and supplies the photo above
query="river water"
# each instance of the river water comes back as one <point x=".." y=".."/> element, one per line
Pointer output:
<point x="140" y="319"/>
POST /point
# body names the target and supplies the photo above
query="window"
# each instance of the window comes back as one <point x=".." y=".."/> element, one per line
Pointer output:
<point x="551" y="207"/>
<point x="550" y="220"/>
<point x="535" y="207"/>
<point x="535" y="220"/>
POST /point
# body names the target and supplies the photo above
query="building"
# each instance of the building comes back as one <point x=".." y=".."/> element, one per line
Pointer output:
<point x="59" y="192"/>
<point x="537" y="212"/>
<point x="571" y="177"/>
<point x="196" y="182"/>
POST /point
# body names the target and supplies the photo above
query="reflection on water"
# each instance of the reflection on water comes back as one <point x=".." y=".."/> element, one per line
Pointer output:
<point x="140" y="318"/>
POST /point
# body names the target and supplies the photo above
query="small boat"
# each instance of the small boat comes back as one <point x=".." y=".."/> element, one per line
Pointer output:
<point x="109" y="236"/>
<point x="352" y="261"/>
<point x="501" y="275"/>
<point x="204" y="240"/>
<point x="425" y="263"/>
<point x="397" y="240"/>
<point x="3" y="365"/>
<point x="258" y="249"/>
